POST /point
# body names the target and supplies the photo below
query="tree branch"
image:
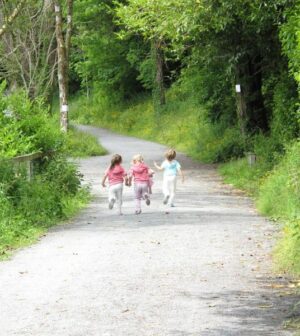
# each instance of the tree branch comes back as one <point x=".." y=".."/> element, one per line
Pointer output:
<point x="12" y="17"/>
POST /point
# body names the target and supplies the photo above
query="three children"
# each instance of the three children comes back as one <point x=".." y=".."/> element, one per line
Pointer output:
<point x="142" y="177"/>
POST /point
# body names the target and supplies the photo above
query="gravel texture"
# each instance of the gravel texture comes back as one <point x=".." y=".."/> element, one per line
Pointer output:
<point x="204" y="269"/>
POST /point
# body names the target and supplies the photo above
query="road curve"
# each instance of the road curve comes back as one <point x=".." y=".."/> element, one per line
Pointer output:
<point x="204" y="269"/>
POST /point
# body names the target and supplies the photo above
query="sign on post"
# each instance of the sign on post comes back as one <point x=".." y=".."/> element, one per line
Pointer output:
<point x="238" y="88"/>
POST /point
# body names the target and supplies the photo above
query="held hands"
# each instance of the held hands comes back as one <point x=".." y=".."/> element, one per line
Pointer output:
<point x="128" y="181"/>
<point x="157" y="166"/>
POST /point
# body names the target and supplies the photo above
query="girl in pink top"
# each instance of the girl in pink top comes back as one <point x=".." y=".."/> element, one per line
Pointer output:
<point x="115" y="174"/>
<point x="139" y="172"/>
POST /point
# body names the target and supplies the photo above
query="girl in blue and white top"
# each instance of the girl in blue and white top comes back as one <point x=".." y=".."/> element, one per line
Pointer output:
<point x="171" y="168"/>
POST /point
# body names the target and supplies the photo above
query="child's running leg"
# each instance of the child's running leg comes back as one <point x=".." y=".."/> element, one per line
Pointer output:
<point x="138" y="197"/>
<point x="112" y="196"/>
<point x="166" y="190"/>
<point x="119" y="196"/>
<point x="145" y="192"/>
<point x="172" y="188"/>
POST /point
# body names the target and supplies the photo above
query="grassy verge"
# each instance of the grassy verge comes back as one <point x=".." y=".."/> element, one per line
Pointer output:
<point x="277" y="195"/>
<point x="29" y="208"/>
<point x="80" y="144"/>
<point x="17" y="231"/>
<point x="171" y="125"/>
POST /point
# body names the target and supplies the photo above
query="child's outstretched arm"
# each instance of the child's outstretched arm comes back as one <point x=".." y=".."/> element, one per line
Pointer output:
<point x="157" y="166"/>
<point x="103" y="181"/>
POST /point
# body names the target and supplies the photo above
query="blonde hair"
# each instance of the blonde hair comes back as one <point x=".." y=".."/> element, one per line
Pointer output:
<point x="170" y="154"/>
<point x="137" y="158"/>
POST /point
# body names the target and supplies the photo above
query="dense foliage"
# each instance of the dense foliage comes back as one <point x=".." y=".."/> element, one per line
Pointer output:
<point x="28" y="207"/>
<point x="201" y="49"/>
<point x="125" y="50"/>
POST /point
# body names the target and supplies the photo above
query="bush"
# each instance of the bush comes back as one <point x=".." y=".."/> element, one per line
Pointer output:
<point x="26" y="126"/>
<point x="28" y="208"/>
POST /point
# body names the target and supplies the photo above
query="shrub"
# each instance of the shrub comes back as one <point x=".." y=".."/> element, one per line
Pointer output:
<point x="26" y="126"/>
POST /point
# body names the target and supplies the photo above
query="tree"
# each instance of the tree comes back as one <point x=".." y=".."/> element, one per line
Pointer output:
<point x="289" y="35"/>
<point x="63" y="51"/>
<point x="100" y="58"/>
<point x="242" y="38"/>
<point x="158" y="21"/>
<point x="27" y="56"/>
<point x="9" y="20"/>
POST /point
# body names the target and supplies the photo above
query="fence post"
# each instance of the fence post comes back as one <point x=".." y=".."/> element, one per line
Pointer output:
<point x="29" y="168"/>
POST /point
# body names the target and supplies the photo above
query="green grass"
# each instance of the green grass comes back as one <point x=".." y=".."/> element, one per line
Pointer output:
<point x="277" y="195"/>
<point x="81" y="144"/>
<point x="243" y="176"/>
<point x="170" y="125"/>
<point x="17" y="231"/>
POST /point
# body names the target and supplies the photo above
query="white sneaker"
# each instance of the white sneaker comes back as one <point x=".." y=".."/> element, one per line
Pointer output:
<point x="166" y="199"/>
<point x="111" y="203"/>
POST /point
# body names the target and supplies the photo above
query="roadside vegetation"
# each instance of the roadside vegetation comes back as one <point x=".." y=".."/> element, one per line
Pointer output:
<point x="216" y="79"/>
<point x="28" y="208"/>
<point x="178" y="73"/>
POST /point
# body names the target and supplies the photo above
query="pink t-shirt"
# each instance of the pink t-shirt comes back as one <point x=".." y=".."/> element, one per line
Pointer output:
<point x="115" y="175"/>
<point x="140" y="172"/>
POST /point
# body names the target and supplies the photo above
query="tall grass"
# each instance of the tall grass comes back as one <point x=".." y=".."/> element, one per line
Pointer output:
<point x="277" y="194"/>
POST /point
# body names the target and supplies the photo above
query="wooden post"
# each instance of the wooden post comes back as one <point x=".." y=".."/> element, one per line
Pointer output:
<point x="29" y="169"/>
<point x="251" y="157"/>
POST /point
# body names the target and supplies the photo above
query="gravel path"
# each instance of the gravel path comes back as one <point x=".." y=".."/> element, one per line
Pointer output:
<point x="203" y="269"/>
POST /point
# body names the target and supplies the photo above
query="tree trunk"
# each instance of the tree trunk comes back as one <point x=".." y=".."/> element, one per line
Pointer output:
<point x="259" y="116"/>
<point x="159" y="88"/>
<point x="249" y="75"/>
<point x="63" y="47"/>
<point x="241" y="103"/>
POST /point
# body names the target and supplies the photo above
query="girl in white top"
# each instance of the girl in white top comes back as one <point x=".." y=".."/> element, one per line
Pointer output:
<point x="171" y="168"/>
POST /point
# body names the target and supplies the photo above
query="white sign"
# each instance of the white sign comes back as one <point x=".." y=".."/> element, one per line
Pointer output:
<point x="64" y="108"/>
<point x="238" y="88"/>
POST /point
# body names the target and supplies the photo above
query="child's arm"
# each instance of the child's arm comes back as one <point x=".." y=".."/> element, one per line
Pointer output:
<point x="151" y="172"/>
<point x="157" y="166"/>
<point x="103" y="181"/>
<point x="181" y="174"/>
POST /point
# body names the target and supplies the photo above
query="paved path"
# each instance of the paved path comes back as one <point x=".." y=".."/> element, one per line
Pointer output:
<point x="202" y="270"/>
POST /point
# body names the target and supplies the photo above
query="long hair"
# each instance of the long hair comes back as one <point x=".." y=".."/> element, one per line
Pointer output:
<point x="116" y="159"/>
